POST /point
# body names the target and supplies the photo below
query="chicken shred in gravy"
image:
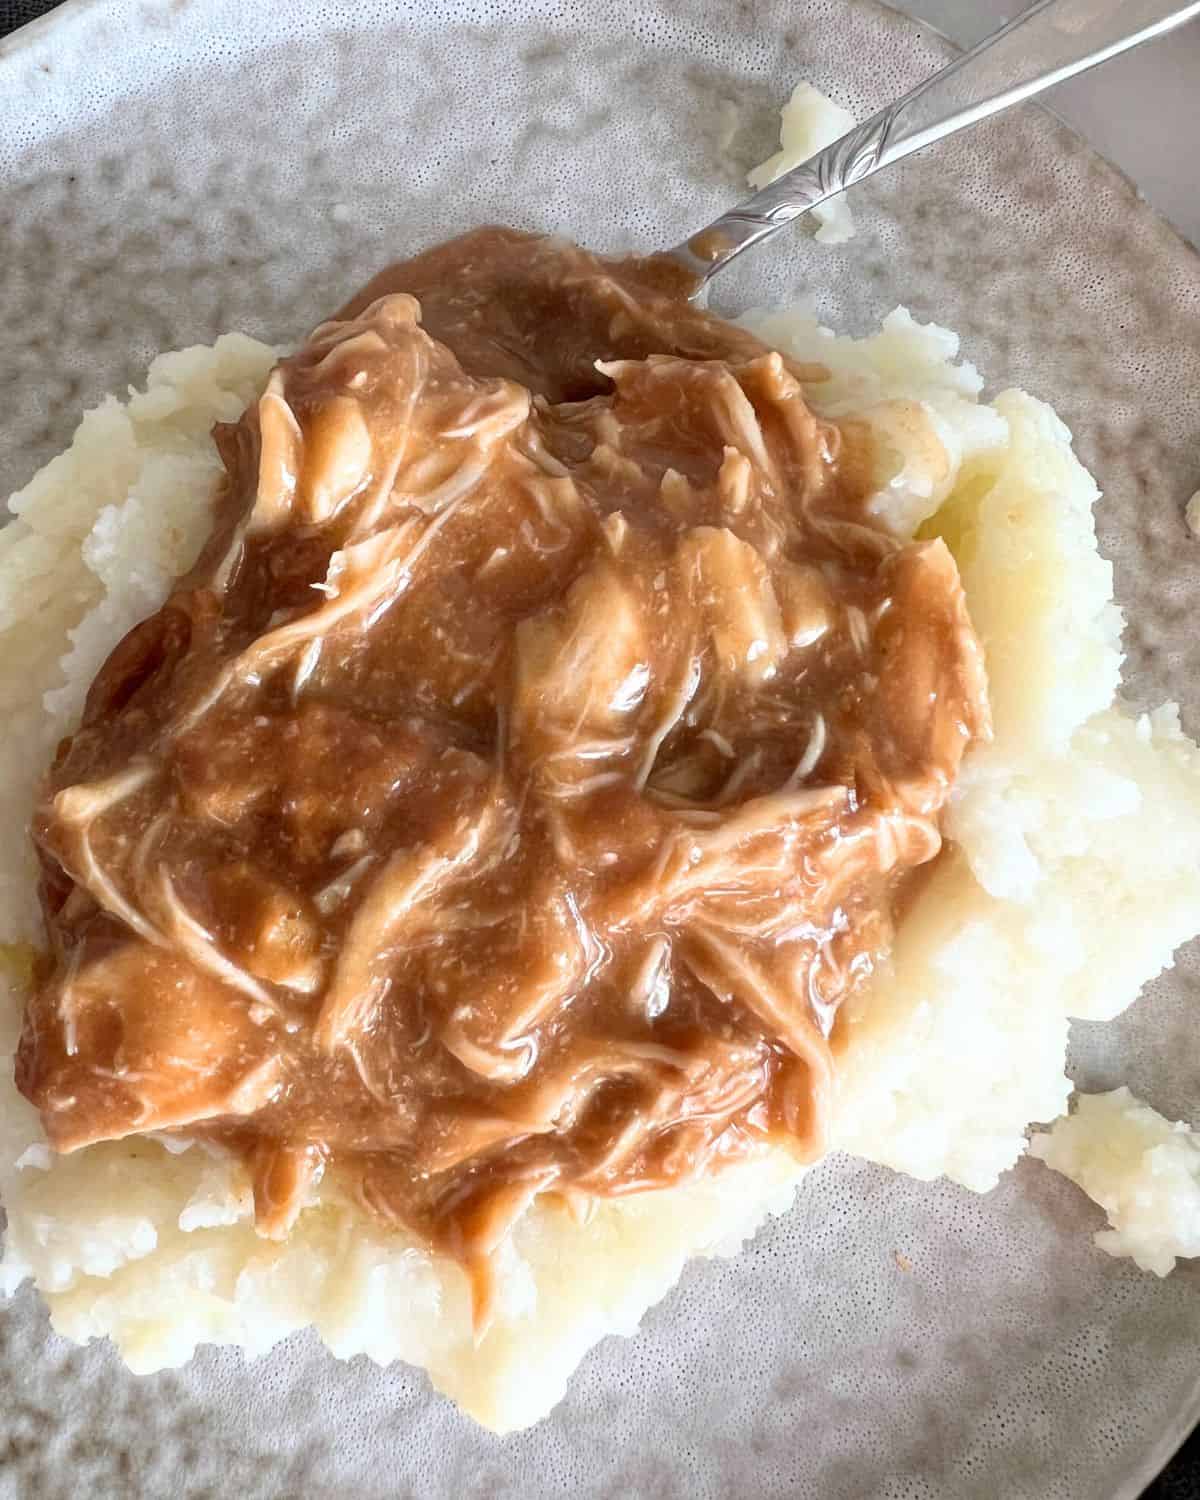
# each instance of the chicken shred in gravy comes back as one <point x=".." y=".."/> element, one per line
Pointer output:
<point x="530" y="766"/>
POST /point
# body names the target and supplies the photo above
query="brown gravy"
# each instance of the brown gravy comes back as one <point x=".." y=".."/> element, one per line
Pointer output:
<point x="523" y="776"/>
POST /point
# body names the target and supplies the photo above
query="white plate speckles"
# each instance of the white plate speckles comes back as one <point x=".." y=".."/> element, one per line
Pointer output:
<point x="173" y="168"/>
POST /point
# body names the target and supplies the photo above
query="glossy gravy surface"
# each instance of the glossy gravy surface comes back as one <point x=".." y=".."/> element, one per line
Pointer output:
<point x="528" y="769"/>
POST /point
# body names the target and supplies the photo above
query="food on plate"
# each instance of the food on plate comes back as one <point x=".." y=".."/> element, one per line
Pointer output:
<point x="547" y="767"/>
<point x="1143" y="1171"/>
<point x="530" y="765"/>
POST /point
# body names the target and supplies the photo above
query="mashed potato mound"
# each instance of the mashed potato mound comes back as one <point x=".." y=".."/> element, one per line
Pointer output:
<point x="1062" y="894"/>
<point x="1143" y="1171"/>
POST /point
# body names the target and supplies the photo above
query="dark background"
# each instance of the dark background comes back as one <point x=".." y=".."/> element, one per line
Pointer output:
<point x="1181" y="1479"/>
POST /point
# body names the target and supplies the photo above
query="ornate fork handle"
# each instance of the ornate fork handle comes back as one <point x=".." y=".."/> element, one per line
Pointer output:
<point x="1051" y="41"/>
<point x="852" y="156"/>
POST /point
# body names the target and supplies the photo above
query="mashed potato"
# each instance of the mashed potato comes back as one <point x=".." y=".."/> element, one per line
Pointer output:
<point x="1062" y="895"/>
<point x="1143" y="1171"/>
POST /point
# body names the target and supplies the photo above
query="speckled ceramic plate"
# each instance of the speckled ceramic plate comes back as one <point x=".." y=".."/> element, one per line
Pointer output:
<point x="173" y="168"/>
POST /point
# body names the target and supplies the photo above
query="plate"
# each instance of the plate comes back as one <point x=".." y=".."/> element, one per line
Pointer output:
<point x="174" y="168"/>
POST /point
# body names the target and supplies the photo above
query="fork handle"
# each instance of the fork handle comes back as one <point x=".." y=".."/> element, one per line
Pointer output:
<point x="1050" y="41"/>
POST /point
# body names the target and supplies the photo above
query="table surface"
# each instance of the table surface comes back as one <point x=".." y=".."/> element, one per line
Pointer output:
<point x="1162" y="76"/>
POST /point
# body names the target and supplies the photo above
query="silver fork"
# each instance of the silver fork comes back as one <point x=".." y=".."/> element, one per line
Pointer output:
<point x="1050" y="41"/>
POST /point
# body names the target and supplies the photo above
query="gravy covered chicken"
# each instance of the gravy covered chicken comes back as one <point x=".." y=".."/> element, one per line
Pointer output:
<point x="539" y="753"/>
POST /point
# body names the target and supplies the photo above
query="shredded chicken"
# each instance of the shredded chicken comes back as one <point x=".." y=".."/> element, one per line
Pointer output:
<point x="527" y="771"/>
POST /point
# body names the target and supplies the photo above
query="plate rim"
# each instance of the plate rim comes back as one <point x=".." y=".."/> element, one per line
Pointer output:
<point x="33" y="31"/>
